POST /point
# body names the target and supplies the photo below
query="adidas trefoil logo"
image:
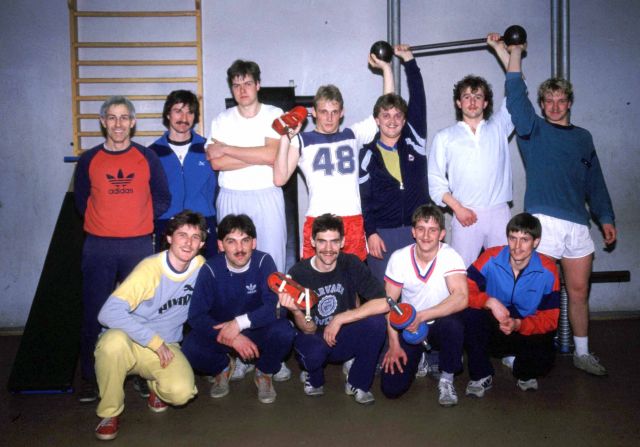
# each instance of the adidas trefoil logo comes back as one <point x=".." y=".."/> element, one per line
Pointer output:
<point x="251" y="289"/>
<point x="121" y="183"/>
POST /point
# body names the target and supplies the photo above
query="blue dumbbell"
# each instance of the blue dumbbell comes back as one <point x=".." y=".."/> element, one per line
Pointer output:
<point x="402" y="316"/>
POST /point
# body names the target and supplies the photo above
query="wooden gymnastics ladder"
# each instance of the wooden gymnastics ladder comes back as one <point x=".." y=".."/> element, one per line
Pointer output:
<point x="85" y="105"/>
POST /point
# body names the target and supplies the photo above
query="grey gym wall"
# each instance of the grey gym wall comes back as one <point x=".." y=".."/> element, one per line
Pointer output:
<point x="312" y="43"/>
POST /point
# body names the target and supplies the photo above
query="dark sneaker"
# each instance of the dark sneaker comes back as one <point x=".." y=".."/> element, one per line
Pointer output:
<point x="88" y="392"/>
<point x="141" y="386"/>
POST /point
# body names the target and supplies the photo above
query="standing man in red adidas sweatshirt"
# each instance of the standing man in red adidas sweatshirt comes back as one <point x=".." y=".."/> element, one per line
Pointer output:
<point x="119" y="188"/>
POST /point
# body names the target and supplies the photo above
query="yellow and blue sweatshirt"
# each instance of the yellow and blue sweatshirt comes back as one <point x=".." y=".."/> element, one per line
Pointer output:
<point x="152" y="303"/>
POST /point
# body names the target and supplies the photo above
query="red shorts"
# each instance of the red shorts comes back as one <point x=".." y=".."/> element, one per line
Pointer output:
<point x="354" y="239"/>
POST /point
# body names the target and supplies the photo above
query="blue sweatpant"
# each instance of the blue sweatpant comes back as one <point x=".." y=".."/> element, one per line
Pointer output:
<point x="105" y="262"/>
<point x="209" y="357"/>
<point x="361" y="340"/>
<point x="394" y="239"/>
<point x="446" y="334"/>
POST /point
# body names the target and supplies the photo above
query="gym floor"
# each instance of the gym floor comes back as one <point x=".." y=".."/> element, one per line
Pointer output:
<point x="571" y="408"/>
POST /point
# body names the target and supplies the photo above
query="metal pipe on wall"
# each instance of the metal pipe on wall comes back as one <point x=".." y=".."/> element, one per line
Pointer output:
<point x="560" y="39"/>
<point x="560" y="68"/>
<point x="564" y="71"/>
<point x="393" y="36"/>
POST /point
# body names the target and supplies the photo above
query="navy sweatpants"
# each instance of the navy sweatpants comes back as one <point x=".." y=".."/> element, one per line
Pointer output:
<point x="105" y="262"/>
<point x="446" y="335"/>
<point x="209" y="357"/>
<point x="361" y="340"/>
<point x="534" y="354"/>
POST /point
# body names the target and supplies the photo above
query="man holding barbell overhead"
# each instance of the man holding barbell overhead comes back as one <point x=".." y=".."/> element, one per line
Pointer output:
<point x="563" y="172"/>
<point x="328" y="158"/>
<point x="430" y="276"/>
<point x="393" y="168"/>
<point x="470" y="167"/>
<point x="338" y="330"/>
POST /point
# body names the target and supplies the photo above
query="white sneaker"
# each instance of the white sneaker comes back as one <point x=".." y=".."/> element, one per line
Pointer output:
<point x="423" y="366"/>
<point x="362" y="397"/>
<point x="311" y="390"/>
<point x="528" y="385"/>
<point x="283" y="375"/>
<point x="346" y="367"/>
<point x="304" y="376"/>
<point x="266" y="392"/>
<point x="220" y="384"/>
<point x="590" y="364"/>
<point x="477" y="388"/>
<point x="241" y="370"/>
<point x="448" y="396"/>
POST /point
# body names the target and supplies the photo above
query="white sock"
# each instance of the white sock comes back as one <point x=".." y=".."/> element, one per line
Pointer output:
<point x="582" y="345"/>
<point x="508" y="360"/>
<point x="446" y="376"/>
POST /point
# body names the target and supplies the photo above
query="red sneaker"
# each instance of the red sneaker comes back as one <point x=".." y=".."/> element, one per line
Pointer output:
<point x="107" y="429"/>
<point x="155" y="404"/>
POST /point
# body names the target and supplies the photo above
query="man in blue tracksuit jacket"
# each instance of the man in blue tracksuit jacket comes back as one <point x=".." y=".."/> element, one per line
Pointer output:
<point x="233" y="312"/>
<point x="192" y="182"/>
<point x="393" y="168"/>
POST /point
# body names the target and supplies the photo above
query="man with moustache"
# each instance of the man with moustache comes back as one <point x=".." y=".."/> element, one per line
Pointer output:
<point x="181" y="151"/>
<point x="233" y="311"/>
<point x="338" y="330"/>
<point x="119" y="187"/>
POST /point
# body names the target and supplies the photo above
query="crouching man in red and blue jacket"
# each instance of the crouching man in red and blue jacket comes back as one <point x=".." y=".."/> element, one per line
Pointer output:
<point x="514" y="303"/>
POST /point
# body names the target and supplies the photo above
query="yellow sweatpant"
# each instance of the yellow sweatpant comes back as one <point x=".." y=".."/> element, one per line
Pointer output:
<point x="117" y="356"/>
